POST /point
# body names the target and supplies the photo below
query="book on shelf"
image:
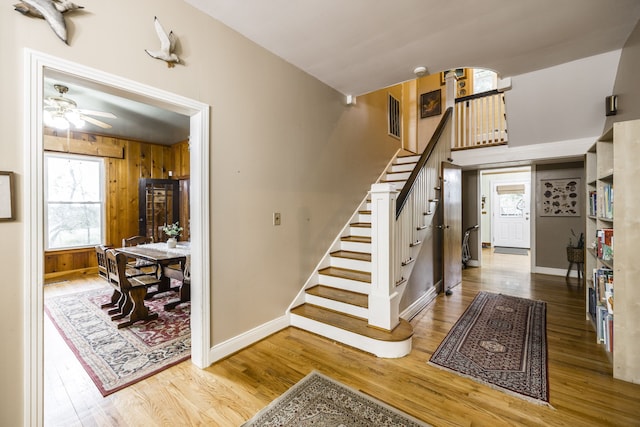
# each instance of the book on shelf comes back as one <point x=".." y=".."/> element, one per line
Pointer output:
<point x="605" y="203"/>
<point x="603" y="286"/>
<point x="604" y="243"/>
<point x="593" y="203"/>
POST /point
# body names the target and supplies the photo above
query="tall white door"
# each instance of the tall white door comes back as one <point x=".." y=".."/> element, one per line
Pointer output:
<point x="510" y="210"/>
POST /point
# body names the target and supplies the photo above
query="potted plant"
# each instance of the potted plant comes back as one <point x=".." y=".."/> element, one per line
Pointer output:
<point x="173" y="231"/>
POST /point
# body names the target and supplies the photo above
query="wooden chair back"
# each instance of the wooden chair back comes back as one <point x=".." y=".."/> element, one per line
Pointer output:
<point x="102" y="261"/>
<point x="135" y="241"/>
<point x="116" y="267"/>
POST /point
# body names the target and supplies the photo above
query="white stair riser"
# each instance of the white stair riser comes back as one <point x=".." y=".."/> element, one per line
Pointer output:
<point x="409" y="159"/>
<point x="364" y="218"/>
<point x="346" y="284"/>
<point x="387" y="349"/>
<point x="351" y="264"/>
<point x="338" y="306"/>
<point x="405" y="167"/>
<point x="397" y="176"/>
<point x="360" y="231"/>
<point x="355" y="246"/>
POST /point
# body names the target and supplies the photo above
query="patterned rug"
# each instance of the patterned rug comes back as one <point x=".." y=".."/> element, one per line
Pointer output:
<point x="500" y="341"/>
<point x="317" y="400"/>
<point x="116" y="358"/>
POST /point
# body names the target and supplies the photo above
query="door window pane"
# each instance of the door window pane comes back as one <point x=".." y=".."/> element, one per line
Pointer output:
<point x="511" y="205"/>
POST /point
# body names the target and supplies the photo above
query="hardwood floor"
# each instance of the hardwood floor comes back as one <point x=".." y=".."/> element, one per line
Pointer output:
<point x="582" y="390"/>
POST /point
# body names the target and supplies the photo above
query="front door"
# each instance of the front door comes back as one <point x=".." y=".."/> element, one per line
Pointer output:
<point x="510" y="214"/>
<point x="451" y="225"/>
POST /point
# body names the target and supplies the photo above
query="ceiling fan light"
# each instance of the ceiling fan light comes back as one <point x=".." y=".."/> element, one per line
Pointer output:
<point x="79" y="123"/>
<point x="72" y="116"/>
<point x="59" y="122"/>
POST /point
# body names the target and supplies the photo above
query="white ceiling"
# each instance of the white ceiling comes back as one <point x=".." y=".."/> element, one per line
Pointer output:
<point x="358" y="46"/>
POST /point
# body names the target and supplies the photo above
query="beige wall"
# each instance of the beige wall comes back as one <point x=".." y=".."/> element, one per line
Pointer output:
<point x="553" y="233"/>
<point x="280" y="141"/>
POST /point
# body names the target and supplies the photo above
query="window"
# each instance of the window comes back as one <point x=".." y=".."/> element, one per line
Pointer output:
<point x="74" y="201"/>
<point x="484" y="80"/>
<point x="394" y="116"/>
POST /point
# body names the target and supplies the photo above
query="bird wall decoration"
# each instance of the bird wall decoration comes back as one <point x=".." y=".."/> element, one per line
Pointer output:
<point x="167" y="45"/>
<point x="49" y="10"/>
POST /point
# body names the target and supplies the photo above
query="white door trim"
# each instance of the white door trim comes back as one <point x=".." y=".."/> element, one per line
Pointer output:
<point x="32" y="189"/>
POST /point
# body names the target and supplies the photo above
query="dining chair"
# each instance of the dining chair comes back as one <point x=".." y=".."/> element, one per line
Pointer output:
<point x="136" y="266"/>
<point x="130" y="307"/>
<point x="103" y="272"/>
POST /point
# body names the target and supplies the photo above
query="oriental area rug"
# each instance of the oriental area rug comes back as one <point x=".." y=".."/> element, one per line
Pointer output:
<point x="317" y="400"/>
<point x="116" y="358"/>
<point x="500" y="341"/>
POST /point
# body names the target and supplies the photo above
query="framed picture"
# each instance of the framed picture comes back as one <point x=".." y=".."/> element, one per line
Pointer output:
<point x="7" y="210"/>
<point x="461" y="73"/>
<point x="430" y="104"/>
<point x="560" y="197"/>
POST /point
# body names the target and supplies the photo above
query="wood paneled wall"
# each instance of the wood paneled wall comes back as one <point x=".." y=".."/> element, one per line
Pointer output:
<point x="122" y="172"/>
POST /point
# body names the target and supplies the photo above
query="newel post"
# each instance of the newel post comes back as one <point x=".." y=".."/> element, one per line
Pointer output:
<point x="383" y="298"/>
<point x="451" y="88"/>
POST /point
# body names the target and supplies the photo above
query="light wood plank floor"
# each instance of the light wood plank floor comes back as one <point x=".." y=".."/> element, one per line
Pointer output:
<point x="582" y="390"/>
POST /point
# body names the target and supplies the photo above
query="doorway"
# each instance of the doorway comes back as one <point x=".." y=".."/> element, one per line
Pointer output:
<point x="505" y="214"/>
<point x="36" y="64"/>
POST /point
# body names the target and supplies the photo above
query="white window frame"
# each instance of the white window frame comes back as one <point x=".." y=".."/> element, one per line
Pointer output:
<point x="102" y="201"/>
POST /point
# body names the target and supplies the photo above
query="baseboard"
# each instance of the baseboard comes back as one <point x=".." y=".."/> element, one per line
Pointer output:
<point x="555" y="271"/>
<point x="418" y="305"/>
<point x="237" y="343"/>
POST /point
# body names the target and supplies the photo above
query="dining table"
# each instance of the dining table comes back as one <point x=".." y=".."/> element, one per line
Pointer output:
<point x="168" y="259"/>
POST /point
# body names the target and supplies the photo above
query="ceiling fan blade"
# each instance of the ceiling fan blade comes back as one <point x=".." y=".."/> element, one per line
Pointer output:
<point x="95" y="122"/>
<point x="97" y="113"/>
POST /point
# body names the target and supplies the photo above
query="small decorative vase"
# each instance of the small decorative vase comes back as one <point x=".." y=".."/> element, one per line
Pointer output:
<point x="171" y="242"/>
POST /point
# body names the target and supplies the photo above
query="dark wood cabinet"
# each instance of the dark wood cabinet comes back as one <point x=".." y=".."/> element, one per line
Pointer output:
<point x="159" y="202"/>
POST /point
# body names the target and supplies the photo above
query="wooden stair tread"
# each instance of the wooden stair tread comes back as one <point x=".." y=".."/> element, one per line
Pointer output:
<point x="339" y="295"/>
<point x="360" y="224"/>
<point x="358" y="239"/>
<point x="359" y="256"/>
<point x="357" y="325"/>
<point x="365" y="212"/>
<point x="344" y="273"/>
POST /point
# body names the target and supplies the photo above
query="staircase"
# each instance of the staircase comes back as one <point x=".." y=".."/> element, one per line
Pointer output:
<point x="335" y="302"/>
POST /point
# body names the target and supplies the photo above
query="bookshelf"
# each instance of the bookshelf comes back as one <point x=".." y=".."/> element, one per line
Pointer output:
<point x="612" y="294"/>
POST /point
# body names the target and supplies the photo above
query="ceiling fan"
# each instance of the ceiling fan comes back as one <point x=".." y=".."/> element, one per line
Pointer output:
<point x="60" y="112"/>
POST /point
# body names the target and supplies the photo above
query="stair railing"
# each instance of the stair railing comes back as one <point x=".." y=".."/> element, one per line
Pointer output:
<point x="481" y="120"/>
<point x="399" y="223"/>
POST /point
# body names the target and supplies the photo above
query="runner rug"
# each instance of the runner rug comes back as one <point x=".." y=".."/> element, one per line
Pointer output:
<point x="501" y="341"/>
<point x="317" y="400"/>
<point x="116" y="358"/>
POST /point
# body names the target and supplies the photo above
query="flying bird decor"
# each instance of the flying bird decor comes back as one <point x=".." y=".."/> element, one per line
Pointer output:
<point x="49" y="10"/>
<point x="167" y="45"/>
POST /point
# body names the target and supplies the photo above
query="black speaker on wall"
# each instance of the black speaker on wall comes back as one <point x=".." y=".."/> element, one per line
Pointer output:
<point x="611" y="105"/>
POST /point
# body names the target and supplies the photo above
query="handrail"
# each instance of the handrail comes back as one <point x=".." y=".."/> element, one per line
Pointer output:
<point x="408" y="187"/>
<point x="477" y="95"/>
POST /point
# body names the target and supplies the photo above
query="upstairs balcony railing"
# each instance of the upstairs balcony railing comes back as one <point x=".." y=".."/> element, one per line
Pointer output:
<point x="480" y="121"/>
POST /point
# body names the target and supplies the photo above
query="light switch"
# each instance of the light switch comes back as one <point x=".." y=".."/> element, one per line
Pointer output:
<point x="276" y="218"/>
